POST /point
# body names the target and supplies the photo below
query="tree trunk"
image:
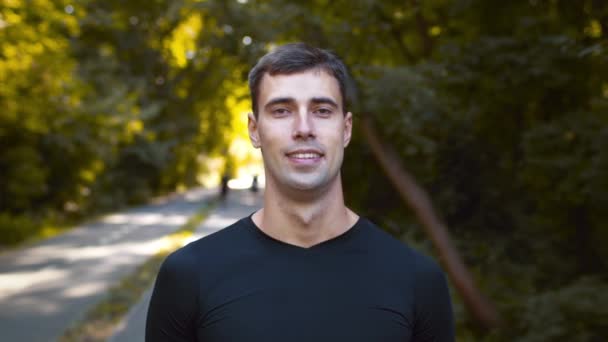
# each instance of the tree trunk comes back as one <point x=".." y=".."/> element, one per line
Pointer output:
<point x="419" y="201"/>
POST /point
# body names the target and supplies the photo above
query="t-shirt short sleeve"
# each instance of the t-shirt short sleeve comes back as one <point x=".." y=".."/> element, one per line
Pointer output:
<point x="433" y="308"/>
<point x="173" y="305"/>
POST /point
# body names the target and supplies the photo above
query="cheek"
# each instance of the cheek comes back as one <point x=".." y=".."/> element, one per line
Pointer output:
<point x="271" y="144"/>
<point x="334" y="135"/>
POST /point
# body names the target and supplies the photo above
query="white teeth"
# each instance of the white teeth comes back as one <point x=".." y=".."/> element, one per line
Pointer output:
<point x="305" y="155"/>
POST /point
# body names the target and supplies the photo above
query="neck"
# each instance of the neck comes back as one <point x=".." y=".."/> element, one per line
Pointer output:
<point x="304" y="218"/>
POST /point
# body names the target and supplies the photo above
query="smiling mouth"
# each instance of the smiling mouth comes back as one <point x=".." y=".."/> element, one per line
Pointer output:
<point x="306" y="155"/>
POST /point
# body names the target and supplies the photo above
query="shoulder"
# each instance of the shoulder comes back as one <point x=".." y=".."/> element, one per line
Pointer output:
<point x="432" y="308"/>
<point x="421" y="266"/>
<point x="384" y="243"/>
<point x="212" y="247"/>
<point x="177" y="294"/>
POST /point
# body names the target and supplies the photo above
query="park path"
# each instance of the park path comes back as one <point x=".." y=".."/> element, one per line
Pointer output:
<point x="46" y="287"/>
<point x="239" y="204"/>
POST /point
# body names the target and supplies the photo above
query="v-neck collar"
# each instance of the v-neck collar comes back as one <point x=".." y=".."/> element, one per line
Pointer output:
<point x="341" y="239"/>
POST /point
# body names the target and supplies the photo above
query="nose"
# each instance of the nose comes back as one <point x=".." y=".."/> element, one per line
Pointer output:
<point x="303" y="126"/>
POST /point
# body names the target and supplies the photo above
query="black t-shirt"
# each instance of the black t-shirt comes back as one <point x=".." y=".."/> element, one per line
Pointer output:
<point x="240" y="284"/>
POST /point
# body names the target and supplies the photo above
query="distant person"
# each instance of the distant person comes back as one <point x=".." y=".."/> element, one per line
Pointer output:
<point x="224" y="187"/>
<point x="254" y="184"/>
<point x="304" y="267"/>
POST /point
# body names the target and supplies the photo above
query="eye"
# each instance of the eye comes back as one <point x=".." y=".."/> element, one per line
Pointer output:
<point x="324" y="112"/>
<point x="280" y="111"/>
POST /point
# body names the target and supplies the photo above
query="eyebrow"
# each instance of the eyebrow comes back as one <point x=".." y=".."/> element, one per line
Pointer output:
<point x="325" y="100"/>
<point x="279" y="100"/>
<point x="314" y="100"/>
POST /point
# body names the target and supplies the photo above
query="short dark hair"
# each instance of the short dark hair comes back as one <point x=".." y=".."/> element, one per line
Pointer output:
<point x="298" y="57"/>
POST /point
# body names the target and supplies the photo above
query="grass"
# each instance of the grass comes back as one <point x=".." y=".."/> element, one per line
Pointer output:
<point x="31" y="232"/>
<point x="100" y="322"/>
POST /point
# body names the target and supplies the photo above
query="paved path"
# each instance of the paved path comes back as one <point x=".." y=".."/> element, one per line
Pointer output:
<point x="239" y="204"/>
<point x="46" y="287"/>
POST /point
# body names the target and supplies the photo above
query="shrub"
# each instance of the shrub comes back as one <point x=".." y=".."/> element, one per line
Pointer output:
<point x="14" y="229"/>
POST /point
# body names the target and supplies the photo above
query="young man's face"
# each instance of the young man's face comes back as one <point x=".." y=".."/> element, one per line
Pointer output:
<point x="301" y="129"/>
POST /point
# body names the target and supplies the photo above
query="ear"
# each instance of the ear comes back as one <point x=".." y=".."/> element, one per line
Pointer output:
<point x="252" y="126"/>
<point x="348" y="128"/>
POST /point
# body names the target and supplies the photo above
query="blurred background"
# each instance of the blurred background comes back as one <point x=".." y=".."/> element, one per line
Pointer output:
<point x="499" y="109"/>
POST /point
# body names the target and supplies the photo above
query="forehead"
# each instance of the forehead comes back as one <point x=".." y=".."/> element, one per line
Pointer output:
<point x="300" y="86"/>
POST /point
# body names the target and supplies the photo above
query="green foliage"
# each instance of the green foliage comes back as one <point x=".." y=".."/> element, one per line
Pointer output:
<point x="106" y="103"/>
<point x="573" y="312"/>
<point x="16" y="228"/>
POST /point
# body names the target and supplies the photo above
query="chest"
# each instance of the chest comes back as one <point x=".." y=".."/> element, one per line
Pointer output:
<point x="335" y="298"/>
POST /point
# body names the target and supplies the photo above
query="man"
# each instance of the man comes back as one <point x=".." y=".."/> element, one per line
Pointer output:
<point x="304" y="267"/>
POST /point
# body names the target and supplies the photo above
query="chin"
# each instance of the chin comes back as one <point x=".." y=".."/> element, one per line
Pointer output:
<point x="303" y="184"/>
<point x="307" y="187"/>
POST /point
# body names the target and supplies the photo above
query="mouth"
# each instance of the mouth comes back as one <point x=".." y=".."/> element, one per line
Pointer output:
<point x="305" y="157"/>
